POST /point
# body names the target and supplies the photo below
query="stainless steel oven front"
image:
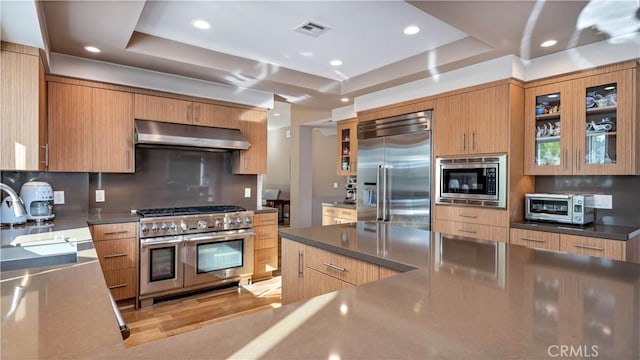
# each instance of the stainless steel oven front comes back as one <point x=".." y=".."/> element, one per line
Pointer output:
<point x="472" y="180"/>
<point x="218" y="257"/>
<point x="161" y="267"/>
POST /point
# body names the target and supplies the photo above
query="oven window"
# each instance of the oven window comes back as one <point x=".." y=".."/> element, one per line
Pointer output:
<point x="163" y="264"/>
<point x="480" y="181"/>
<point x="555" y="207"/>
<point x="219" y="256"/>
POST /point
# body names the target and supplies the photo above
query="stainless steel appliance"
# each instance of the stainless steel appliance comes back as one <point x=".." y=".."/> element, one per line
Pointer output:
<point x="38" y="200"/>
<point x="352" y="190"/>
<point x="185" y="249"/>
<point x="394" y="167"/>
<point x="472" y="180"/>
<point x="562" y="208"/>
<point x="12" y="210"/>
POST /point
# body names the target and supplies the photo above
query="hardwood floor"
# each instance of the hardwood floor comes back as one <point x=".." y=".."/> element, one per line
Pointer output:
<point x="178" y="316"/>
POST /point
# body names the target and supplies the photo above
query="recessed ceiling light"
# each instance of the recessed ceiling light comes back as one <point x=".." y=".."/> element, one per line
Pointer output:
<point x="200" y="24"/>
<point x="411" y="30"/>
<point x="344" y="99"/>
<point x="336" y="62"/>
<point x="549" y="43"/>
<point x="92" y="49"/>
<point x="610" y="88"/>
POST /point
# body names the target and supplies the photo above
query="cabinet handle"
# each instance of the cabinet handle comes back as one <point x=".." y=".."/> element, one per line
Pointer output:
<point x="468" y="216"/>
<point x="463" y="142"/>
<point x="467" y="231"/>
<point x="115" y="255"/>
<point x="265" y="260"/>
<point x="578" y="158"/>
<point x="530" y="239"/>
<point x="566" y="157"/>
<point x="116" y="232"/>
<point x="335" y="267"/>
<point x="46" y="155"/>
<point x="118" y="286"/>
<point x="473" y="140"/>
<point x="588" y="247"/>
<point x="300" y="254"/>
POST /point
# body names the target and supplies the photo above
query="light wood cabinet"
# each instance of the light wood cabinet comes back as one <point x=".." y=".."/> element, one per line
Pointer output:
<point x="344" y="268"/>
<point x="584" y="124"/>
<point x="90" y="129"/>
<point x="335" y="215"/>
<point x="163" y="109"/>
<point x="22" y="108"/>
<point x="293" y="257"/>
<point x="253" y="125"/>
<point x="318" y="283"/>
<point x="473" y="222"/>
<point x="265" y="244"/>
<point x="117" y="249"/>
<point x="628" y="250"/>
<point x="347" y="152"/>
<point x="214" y="116"/>
<point x="474" y="122"/>
<point x="472" y="230"/>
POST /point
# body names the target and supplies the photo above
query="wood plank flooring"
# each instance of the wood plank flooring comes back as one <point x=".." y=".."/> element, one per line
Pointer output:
<point x="178" y="316"/>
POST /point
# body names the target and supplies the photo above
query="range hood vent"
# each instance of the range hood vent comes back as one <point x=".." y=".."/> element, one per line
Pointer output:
<point x="163" y="134"/>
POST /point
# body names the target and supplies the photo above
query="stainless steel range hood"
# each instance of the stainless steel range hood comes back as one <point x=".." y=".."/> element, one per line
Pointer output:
<point x="163" y="134"/>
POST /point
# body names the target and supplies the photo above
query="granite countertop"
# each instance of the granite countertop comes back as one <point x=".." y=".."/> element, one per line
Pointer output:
<point x="340" y="204"/>
<point x="466" y="299"/>
<point x="611" y="232"/>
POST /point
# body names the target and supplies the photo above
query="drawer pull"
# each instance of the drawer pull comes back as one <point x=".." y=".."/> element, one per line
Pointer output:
<point x="588" y="247"/>
<point x="467" y="231"/>
<point x="300" y="263"/>
<point x="115" y="255"/>
<point x="335" y="267"/>
<point x="530" y="239"/>
<point x="116" y="232"/>
<point x="468" y="216"/>
<point x="265" y="260"/>
<point x="118" y="286"/>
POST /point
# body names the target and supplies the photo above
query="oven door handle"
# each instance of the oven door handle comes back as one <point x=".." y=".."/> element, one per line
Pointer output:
<point x="150" y="242"/>
<point x="219" y="237"/>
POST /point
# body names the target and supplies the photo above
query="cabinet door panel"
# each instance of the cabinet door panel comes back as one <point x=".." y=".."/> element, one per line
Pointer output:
<point x="293" y="257"/>
<point x="212" y="115"/>
<point x="450" y="137"/>
<point x="265" y="260"/>
<point x="253" y="125"/>
<point x="610" y="249"/>
<point x="317" y="283"/>
<point x="341" y="267"/>
<point x="122" y="283"/>
<point x="112" y="131"/>
<point x="486" y="113"/>
<point x="70" y="127"/>
<point x="162" y="109"/>
<point x="475" y="215"/>
<point x="117" y="254"/>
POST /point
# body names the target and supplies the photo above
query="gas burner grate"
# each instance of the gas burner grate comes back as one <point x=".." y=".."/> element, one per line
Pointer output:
<point x="190" y="210"/>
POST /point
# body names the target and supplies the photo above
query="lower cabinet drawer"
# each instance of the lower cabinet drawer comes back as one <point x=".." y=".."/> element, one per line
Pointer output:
<point x="114" y="231"/>
<point x="610" y="249"/>
<point x="265" y="219"/>
<point x="341" y="267"/>
<point x="476" y="231"/>
<point x="535" y="239"/>
<point x="266" y="237"/>
<point x="265" y="260"/>
<point x="122" y="283"/>
<point x="117" y="254"/>
<point x="470" y="214"/>
<point x="317" y="283"/>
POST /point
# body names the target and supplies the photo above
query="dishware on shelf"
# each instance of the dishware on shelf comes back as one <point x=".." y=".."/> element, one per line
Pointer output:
<point x="612" y="99"/>
<point x="590" y="102"/>
<point x="602" y="102"/>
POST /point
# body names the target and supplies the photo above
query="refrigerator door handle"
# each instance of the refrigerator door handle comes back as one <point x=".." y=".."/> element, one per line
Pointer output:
<point x="385" y="194"/>
<point x="378" y="182"/>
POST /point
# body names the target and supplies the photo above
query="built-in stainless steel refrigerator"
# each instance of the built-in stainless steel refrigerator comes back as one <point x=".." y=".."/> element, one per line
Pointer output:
<point x="394" y="170"/>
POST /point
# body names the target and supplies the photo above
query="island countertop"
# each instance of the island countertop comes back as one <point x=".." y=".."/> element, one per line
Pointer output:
<point x="522" y="303"/>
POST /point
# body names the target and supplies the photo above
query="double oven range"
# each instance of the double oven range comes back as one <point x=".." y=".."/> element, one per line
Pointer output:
<point x="192" y="248"/>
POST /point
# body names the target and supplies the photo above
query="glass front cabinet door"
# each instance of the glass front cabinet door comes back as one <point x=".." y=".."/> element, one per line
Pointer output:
<point x="583" y="126"/>
<point x="547" y="130"/>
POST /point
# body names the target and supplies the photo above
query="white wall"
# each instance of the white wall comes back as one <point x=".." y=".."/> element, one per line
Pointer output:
<point x="278" y="162"/>
<point x="323" y="158"/>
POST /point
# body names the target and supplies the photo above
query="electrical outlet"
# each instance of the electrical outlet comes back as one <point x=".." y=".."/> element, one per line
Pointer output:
<point x="247" y="192"/>
<point x="603" y="201"/>
<point x="99" y="195"/>
<point x="58" y="197"/>
<point x="335" y="185"/>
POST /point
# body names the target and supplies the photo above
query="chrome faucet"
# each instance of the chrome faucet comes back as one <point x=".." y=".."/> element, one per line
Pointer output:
<point x="18" y="205"/>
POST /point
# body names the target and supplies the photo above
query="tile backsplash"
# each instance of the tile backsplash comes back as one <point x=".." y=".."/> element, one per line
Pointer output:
<point x="163" y="178"/>
<point x="625" y="191"/>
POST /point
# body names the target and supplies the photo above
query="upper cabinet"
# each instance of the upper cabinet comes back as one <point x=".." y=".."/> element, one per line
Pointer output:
<point x="253" y="125"/>
<point x="90" y="129"/>
<point x="163" y="109"/>
<point x="584" y="125"/>
<point x="473" y="122"/>
<point x="22" y="109"/>
<point x="347" y="153"/>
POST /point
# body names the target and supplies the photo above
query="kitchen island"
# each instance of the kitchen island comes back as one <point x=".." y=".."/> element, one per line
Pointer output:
<point x="523" y="303"/>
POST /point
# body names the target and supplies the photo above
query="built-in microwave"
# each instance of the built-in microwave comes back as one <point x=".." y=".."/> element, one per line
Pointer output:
<point x="562" y="208"/>
<point x="472" y="180"/>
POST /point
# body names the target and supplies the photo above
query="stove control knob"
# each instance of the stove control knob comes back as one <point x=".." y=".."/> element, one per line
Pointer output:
<point x="248" y="220"/>
<point x="154" y="228"/>
<point x="144" y="229"/>
<point x="219" y="224"/>
<point x="174" y="227"/>
<point x="202" y="224"/>
<point x="164" y="227"/>
<point x="184" y="226"/>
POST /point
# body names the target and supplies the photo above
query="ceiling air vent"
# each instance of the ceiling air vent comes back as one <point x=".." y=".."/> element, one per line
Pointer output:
<point x="312" y="28"/>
